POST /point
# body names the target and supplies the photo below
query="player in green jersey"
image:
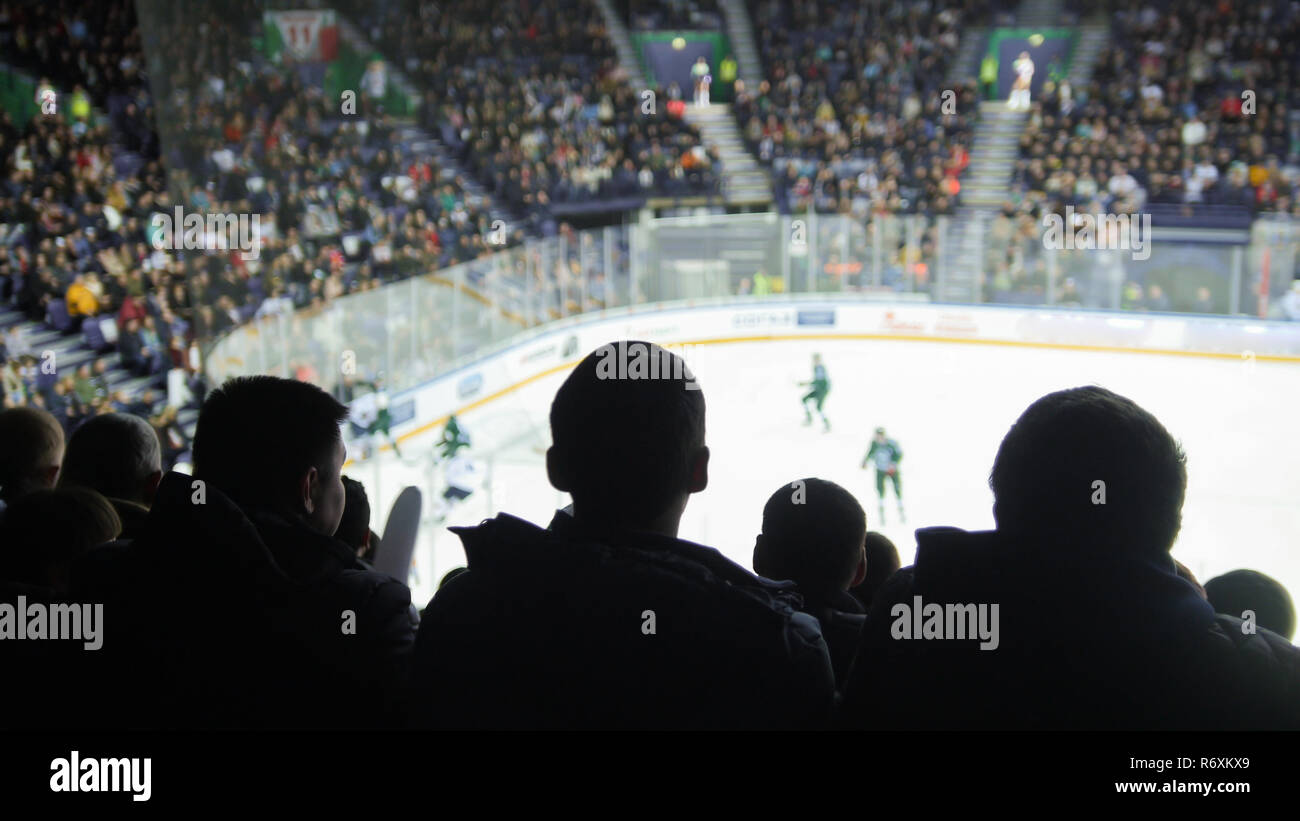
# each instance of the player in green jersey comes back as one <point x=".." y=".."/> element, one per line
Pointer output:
<point x="819" y="385"/>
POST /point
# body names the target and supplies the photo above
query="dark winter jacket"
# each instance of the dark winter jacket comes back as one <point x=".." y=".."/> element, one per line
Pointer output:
<point x="47" y="684"/>
<point x="841" y="619"/>
<point x="567" y="628"/>
<point x="1084" y="642"/>
<point x="221" y="618"/>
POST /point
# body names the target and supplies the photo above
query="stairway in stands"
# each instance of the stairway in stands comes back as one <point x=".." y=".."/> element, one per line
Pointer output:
<point x="745" y="184"/>
<point x="740" y="31"/>
<point x="617" y="31"/>
<point x="1094" y="37"/>
<point x="984" y="188"/>
<point x="965" y="65"/>
<point x="1038" y="13"/>
<point x="425" y="145"/>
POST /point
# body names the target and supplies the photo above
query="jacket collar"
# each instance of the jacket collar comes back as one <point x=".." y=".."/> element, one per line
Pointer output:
<point x="227" y="542"/>
<point x="506" y="543"/>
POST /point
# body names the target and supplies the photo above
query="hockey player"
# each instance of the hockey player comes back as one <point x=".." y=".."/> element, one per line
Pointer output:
<point x="371" y="414"/>
<point x="886" y="454"/>
<point x="382" y="422"/>
<point x="453" y="439"/>
<point x="462" y="475"/>
<point x="819" y="385"/>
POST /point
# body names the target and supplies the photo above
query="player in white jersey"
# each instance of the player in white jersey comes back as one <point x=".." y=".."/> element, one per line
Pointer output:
<point x="1024" y="68"/>
<point x="463" y="475"/>
<point x="700" y="75"/>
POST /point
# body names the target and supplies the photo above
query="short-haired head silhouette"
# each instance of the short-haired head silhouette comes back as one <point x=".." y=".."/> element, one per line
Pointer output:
<point x="1088" y="469"/>
<point x="813" y="533"/>
<point x="116" y="454"/>
<point x="354" y="527"/>
<point x="31" y="450"/>
<point x="627" y="428"/>
<point x="44" y="532"/>
<point x="882" y="562"/>
<point x="274" y="444"/>
<point x="1241" y="590"/>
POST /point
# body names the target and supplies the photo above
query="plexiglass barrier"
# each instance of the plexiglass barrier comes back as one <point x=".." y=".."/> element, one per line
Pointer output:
<point x="412" y="330"/>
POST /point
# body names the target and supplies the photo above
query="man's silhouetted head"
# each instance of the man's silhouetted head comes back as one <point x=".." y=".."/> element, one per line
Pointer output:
<point x="116" y="454"/>
<point x="627" y="428"/>
<point x="31" y="450"/>
<point x="1088" y="469"/>
<point x="274" y="444"/>
<point x="813" y="533"/>
<point x="882" y="562"/>
<point x="354" y="527"/>
<point x="44" y="532"/>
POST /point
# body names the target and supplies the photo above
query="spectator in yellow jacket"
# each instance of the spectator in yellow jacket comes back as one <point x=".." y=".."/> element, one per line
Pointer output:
<point x="81" y="300"/>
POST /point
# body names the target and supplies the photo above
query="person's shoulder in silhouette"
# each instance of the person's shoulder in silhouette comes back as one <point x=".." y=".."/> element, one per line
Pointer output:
<point x="236" y="599"/>
<point x="606" y="619"/>
<point x="1078" y="614"/>
<point x="50" y="641"/>
<point x="813" y="535"/>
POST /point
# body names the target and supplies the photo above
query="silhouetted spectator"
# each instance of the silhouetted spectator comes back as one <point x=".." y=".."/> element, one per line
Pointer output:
<point x="813" y="533"/>
<point x="1078" y="614"/>
<point x="624" y="624"/>
<point x="140" y="350"/>
<point x="882" y="562"/>
<point x="283" y="626"/>
<point x="42" y="536"/>
<point x="354" y="528"/>
<point x="1240" y="590"/>
<point x="46" y="531"/>
<point x="117" y="455"/>
<point x="31" y="450"/>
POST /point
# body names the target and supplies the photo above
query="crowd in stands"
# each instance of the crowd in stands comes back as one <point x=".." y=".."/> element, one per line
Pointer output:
<point x="74" y="257"/>
<point x="531" y="98"/>
<point x="654" y="15"/>
<point x="348" y="203"/>
<point x="851" y="117"/>
<point x="345" y="203"/>
<point x="90" y="50"/>
<point x="850" y="113"/>
<point x="606" y="618"/>
<point x="1188" y="108"/>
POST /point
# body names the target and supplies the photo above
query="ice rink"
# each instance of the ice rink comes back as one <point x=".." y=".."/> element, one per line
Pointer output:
<point x="947" y="404"/>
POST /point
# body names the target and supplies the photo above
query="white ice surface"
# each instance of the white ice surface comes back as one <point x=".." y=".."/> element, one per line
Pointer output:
<point x="947" y="405"/>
